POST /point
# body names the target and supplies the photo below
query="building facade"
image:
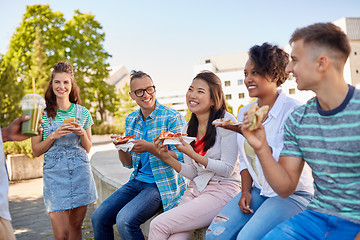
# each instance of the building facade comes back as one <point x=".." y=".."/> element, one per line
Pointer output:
<point x="230" y="69"/>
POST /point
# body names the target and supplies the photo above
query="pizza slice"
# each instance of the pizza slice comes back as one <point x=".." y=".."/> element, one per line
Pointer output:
<point x="257" y="115"/>
<point x="224" y="120"/>
<point x="169" y="135"/>
<point x="121" y="140"/>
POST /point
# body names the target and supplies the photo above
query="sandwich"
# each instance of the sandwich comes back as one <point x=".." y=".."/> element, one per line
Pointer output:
<point x="71" y="120"/>
<point x="257" y="115"/>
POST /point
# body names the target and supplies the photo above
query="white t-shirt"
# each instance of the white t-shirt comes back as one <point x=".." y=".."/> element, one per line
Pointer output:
<point x="4" y="184"/>
<point x="274" y="128"/>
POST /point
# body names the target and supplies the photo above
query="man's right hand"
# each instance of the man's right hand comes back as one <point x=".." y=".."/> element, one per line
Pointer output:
<point x="13" y="131"/>
<point x="244" y="203"/>
<point x="143" y="146"/>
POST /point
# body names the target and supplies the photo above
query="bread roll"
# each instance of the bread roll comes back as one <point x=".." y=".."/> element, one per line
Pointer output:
<point x="71" y="120"/>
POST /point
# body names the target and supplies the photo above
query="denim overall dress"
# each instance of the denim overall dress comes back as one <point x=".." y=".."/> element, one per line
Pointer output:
<point x="68" y="180"/>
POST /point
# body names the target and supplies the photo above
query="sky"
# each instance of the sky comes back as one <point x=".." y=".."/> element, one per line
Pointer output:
<point x="167" y="38"/>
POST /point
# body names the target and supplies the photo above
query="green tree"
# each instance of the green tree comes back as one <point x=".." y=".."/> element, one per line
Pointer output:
<point x="44" y="37"/>
<point x="21" y="46"/>
<point x="126" y="105"/>
<point x="84" y="48"/>
<point x="39" y="68"/>
<point x="187" y="115"/>
<point x="10" y="94"/>
<point x="230" y="109"/>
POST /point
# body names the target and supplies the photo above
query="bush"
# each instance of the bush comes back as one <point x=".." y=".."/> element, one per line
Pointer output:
<point x="102" y="129"/>
<point x="23" y="147"/>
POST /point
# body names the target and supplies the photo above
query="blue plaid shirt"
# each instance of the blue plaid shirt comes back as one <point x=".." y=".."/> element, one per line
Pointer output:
<point x="170" y="184"/>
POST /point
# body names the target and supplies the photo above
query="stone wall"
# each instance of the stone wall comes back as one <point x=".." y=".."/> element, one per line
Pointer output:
<point x="109" y="175"/>
<point x="21" y="167"/>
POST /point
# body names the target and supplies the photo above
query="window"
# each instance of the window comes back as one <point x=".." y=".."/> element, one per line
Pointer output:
<point x="291" y="90"/>
<point x="207" y="61"/>
<point x="291" y="76"/>
<point x="228" y="96"/>
<point x="227" y="83"/>
<point x="241" y="95"/>
<point x="240" y="82"/>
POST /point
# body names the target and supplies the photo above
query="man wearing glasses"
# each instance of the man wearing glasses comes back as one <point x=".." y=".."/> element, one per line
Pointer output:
<point x="153" y="185"/>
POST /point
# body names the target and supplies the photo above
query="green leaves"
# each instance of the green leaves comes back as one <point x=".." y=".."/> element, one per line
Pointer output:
<point x="39" y="67"/>
<point x="126" y="105"/>
<point x="11" y="91"/>
<point x="44" y="38"/>
<point x="84" y="44"/>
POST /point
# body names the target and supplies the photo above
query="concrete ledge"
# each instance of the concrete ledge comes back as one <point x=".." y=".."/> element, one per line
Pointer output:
<point x="100" y="139"/>
<point x="21" y="167"/>
<point x="109" y="175"/>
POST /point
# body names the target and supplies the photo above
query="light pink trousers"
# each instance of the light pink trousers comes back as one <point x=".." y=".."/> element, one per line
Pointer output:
<point x="196" y="210"/>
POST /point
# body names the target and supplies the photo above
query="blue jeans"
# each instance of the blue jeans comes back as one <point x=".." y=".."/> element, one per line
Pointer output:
<point x="232" y="224"/>
<point x="314" y="225"/>
<point x="129" y="207"/>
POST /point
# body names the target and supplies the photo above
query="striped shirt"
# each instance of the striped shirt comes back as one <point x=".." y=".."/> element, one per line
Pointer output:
<point x="170" y="184"/>
<point x="329" y="141"/>
<point x="86" y="119"/>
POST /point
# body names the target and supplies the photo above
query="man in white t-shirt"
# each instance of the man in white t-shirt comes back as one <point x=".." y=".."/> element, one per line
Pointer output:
<point x="10" y="133"/>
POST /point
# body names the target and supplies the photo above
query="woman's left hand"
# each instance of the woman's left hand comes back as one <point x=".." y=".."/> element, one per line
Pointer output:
<point x="77" y="129"/>
<point x="161" y="149"/>
<point x="184" y="147"/>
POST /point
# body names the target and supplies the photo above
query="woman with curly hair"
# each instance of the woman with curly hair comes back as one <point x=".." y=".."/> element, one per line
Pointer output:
<point x="68" y="182"/>
<point x="258" y="209"/>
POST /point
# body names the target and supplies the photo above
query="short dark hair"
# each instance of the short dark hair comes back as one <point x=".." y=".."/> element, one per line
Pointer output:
<point x="326" y="35"/>
<point x="138" y="74"/>
<point x="270" y="60"/>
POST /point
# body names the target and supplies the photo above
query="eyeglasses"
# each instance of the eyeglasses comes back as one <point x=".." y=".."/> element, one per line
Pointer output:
<point x="141" y="92"/>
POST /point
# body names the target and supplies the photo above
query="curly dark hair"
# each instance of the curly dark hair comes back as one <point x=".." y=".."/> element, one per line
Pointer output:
<point x="270" y="60"/>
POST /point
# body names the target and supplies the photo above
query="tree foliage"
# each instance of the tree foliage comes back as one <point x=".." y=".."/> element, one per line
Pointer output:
<point x="11" y="91"/>
<point x="42" y="39"/>
<point x="39" y="68"/>
<point x="126" y="105"/>
<point x="21" y="47"/>
<point x="84" y="49"/>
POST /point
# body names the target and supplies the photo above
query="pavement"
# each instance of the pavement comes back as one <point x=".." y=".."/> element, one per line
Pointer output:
<point x="29" y="218"/>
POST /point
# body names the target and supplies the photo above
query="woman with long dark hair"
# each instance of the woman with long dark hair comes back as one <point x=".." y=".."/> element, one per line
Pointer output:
<point x="68" y="182"/>
<point x="210" y="163"/>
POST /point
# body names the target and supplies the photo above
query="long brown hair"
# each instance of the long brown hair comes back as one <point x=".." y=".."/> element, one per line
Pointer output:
<point x="50" y="97"/>
<point x="216" y="111"/>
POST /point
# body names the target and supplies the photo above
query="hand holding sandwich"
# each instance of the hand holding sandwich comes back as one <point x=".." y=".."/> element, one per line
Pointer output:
<point x="74" y="126"/>
<point x="252" y="127"/>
